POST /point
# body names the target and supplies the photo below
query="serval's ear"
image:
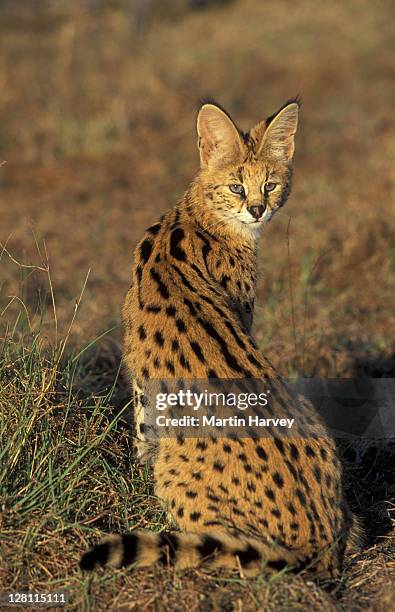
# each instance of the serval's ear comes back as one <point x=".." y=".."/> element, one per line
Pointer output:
<point x="219" y="140"/>
<point x="276" y="136"/>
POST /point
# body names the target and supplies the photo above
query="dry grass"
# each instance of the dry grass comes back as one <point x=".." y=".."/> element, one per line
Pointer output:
<point x="97" y="132"/>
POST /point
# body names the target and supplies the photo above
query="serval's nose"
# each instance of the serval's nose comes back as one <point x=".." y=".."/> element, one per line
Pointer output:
<point x="257" y="210"/>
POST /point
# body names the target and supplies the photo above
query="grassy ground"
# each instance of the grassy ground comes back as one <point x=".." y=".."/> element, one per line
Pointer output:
<point x="97" y="130"/>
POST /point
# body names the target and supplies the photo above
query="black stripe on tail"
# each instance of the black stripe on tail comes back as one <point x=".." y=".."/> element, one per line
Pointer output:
<point x="168" y="546"/>
<point x="209" y="547"/>
<point x="97" y="556"/>
<point x="100" y="554"/>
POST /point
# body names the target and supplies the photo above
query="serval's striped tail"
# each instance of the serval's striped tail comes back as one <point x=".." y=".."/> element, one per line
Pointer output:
<point x="184" y="550"/>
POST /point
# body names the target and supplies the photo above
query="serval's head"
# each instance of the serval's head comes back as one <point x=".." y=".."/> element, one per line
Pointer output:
<point x="246" y="177"/>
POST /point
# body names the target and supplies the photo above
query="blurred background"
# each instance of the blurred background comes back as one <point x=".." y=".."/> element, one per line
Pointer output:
<point x="97" y="139"/>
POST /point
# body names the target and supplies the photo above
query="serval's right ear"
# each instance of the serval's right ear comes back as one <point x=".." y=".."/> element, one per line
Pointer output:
<point x="219" y="141"/>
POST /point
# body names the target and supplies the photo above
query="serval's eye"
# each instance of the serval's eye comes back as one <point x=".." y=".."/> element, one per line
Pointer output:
<point x="270" y="187"/>
<point x="236" y="188"/>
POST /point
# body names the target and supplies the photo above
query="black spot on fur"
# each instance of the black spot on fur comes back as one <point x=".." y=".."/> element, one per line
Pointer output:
<point x="218" y="466"/>
<point x="170" y="366"/>
<point x="270" y="494"/>
<point x="162" y="288"/>
<point x="213" y="497"/>
<point x="212" y="374"/>
<point x="159" y="339"/>
<point x="181" y="326"/>
<point x="142" y="332"/>
<point x="191" y="307"/>
<point x="224" y="281"/>
<point x="301" y="496"/>
<point x="291" y="469"/>
<point x="317" y="473"/>
<point x="153" y="308"/>
<point x="154" y="229"/>
<point x="184" y="362"/>
<point x="145" y="250"/>
<point x="176" y="250"/>
<point x="291" y="509"/>
<point x="229" y="358"/>
<point x="175" y="345"/>
<point x="195" y="346"/>
<point x="184" y="279"/>
<point x="278" y="479"/>
<point x="262" y="454"/>
<point x="309" y="451"/>
<point x="232" y="330"/>
<point x="279" y="444"/>
<point x="294" y="451"/>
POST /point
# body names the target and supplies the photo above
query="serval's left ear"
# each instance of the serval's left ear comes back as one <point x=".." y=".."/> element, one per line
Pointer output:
<point x="276" y="136"/>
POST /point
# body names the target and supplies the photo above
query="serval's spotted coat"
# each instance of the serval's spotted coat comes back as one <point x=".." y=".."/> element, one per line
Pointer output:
<point x="188" y="315"/>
